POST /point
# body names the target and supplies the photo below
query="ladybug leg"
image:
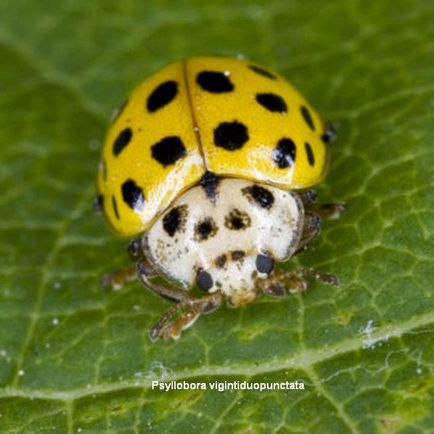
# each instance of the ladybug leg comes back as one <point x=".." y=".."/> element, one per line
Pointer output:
<point x="118" y="278"/>
<point x="313" y="216"/>
<point x="331" y="211"/>
<point x="279" y="283"/>
<point x="327" y="278"/>
<point x="311" y="228"/>
<point x="183" y="315"/>
<point x="97" y="204"/>
<point x="308" y="197"/>
<point x="144" y="272"/>
<point x="135" y="250"/>
<point x="282" y="282"/>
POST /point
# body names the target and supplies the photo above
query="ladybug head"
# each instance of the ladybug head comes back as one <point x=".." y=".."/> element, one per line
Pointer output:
<point x="236" y="274"/>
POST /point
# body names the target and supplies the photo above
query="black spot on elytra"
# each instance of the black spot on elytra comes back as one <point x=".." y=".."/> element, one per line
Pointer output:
<point x="262" y="71"/>
<point x="168" y="150"/>
<point x="162" y="95"/>
<point x="329" y="136"/>
<point x="209" y="183"/>
<point x="284" y="153"/>
<point x="133" y="195"/>
<point x="115" y="207"/>
<point x="259" y="195"/>
<point x="205" y="229"/>
<point x="204" y="280"/>
<point x="220" y="261"/>
<point x="307" y="117"/>
<point x="230" y="135"/>
<point x="309" y="153"/>
<point x="174" y="220"/>
<point x="122" y="140"/>
<point x="214" y="82"/>
<point x="272" y="102"/>
<point x="237" y="220"/>
<point x="237" y="255"/>
<point x="264" y="264"/>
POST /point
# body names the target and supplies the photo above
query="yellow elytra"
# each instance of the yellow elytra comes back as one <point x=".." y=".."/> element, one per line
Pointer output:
<point x="227" y="116"/>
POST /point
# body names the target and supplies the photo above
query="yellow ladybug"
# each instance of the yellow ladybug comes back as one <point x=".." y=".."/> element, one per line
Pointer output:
<point x="208" y="162"/>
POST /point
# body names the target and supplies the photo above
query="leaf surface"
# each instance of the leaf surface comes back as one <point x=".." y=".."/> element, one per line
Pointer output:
<point x="76" y="358"/>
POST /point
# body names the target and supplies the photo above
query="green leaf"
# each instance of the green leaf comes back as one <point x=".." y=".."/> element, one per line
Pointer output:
<point x="76" y="358"/>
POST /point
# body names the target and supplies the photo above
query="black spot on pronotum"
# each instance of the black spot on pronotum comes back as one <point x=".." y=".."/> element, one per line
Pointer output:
<point x="205" y="229"/>
<point x="284" y="153"/>
<point x="209" y="183"/>
<point x="214" y="82"/>
<point x="204" y="280"/>
<point x="133" y="195"/>
<point x="262" y="71"/>
<point x="272" y="102"/>
<point x="122" y="140"/>
<point x="168" y="150"/>
<point x="230" y="135"/>
<point x="115" y="207"/>
<point x="220" y="261"/>
<point x="259" y="195"/>
<point x="309" y="153"/>
<point x="237" y="255"/>
<point x="237" y="220"/>
<point x="264" y="264"/>
<point x="161" y="95"/>
<point x="174" y="220"/>
<point x="307" y="117"/>
<point x="329" y="136"/>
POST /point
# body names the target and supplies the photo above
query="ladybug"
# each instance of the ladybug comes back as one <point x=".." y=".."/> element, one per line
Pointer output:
<point x="208" y="165"/>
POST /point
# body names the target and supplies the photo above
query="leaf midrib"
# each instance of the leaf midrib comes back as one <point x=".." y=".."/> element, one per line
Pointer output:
<point x="300" y="361"/>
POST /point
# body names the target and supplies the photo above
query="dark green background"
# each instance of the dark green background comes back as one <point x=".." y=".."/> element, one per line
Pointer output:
<point x="76" y="358"/>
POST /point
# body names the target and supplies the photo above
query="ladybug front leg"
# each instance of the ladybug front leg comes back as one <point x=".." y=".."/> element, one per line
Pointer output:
<point x="118" y="278"/>
<point x="171" y="293"/>
<point x="282" y="282"/>
<point x="311" y="228"/>
<point x="313" y="216"/>
<point x="183" y="315"/>
<point x="331" y="211"/>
